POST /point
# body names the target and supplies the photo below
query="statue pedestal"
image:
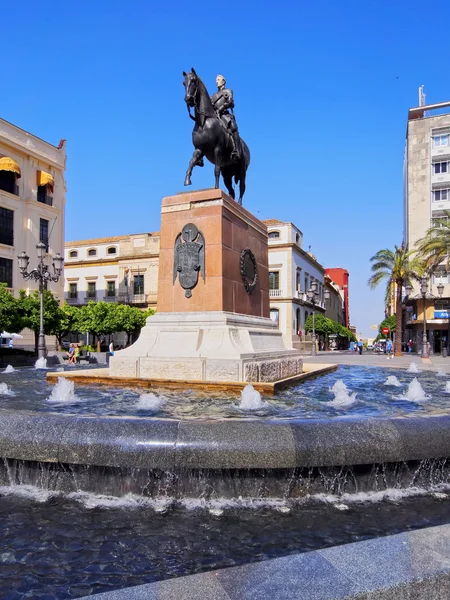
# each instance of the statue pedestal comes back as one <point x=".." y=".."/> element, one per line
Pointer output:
<point x="221" y="332"/>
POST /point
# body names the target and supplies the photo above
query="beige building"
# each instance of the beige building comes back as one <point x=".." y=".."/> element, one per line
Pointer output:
<point x="32" y="201"/>
<point x="426" y="196"/>
<point x="114" y="269"/>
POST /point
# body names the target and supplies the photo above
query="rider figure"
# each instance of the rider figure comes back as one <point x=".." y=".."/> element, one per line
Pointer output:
<point x="223" y="105"/>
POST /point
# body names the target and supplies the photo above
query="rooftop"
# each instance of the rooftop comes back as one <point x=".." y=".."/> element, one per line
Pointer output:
<point x="108" y="240"/>
<point x="272" y="222"/>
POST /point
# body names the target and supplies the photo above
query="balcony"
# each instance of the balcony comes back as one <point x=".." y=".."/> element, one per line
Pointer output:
<point x="14" y="189"/>
<point x="110" y="298"/>
<point x="90" y="299"/>
<point x="72" y="300"/>
<point x="276" y="293"/>
<point x="134" y="298"/>
<point x="44" y="199"/>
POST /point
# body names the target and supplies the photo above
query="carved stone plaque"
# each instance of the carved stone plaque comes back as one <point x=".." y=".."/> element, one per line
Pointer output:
<point x="189" y="257"/>
<point x="249" y="270"/>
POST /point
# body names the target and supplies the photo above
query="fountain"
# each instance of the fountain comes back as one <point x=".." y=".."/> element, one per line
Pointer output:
<point x="201" y="451"/>
<point x="9" y="369"/>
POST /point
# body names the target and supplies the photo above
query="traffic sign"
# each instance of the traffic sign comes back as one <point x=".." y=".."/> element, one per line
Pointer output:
<point x="385" y="330"/>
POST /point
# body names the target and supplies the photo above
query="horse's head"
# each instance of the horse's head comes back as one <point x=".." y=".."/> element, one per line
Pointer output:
<point x="191" y="86"/>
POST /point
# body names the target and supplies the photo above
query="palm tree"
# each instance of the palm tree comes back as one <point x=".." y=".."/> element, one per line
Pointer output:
<point x="398" y="267"/>
<point x="434" y="247"/>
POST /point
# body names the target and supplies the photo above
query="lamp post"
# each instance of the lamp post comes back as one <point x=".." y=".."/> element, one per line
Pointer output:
<point x="440" y="289"/>
<point x="313" y="297"/>
<point x="423" y="292"/>
<point x="42" y="275"/>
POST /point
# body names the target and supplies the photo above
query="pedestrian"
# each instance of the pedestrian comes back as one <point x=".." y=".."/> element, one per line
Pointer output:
<point x="389" y="350"/>
<point x="76" y="354"/>
<point x="410" y="346"/>
<point x="70" y="354"/>
<point x="111" y="349"/>
<point x="360" y="345"/>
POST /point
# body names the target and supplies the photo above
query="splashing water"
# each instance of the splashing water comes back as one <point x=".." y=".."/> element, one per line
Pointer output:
<point x="441" y="373"/>
<point x="149" y="402"/>
<point x="9" y="369"/>
<point x="251" y="399"/>
<point x="415" y="392"/>
<point x="5" y="391"/>
<point x="63" y="392"/>
<point x="392" y="380"/>
<point x="342" y="396"/>
<point x="413" y="368"/>
<point x="447" y="387"/>
<point x="41" y="363"/>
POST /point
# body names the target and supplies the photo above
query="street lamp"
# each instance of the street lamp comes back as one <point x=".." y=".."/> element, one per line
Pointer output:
<point x="440" y="289"/>
<point x="42" y="275"/>
<point x="313" y="297"/>
<point x="423" y="292"/>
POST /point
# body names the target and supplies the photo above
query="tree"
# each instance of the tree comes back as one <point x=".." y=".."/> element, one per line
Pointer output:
<point x="397" y="267"/>
<point x="325" y="327"/>
<point x="10" y="319"/>
<point x="389" y="322"/>
<point x="68" y="321"/>
<point x="98" y="318"/>
<point x="130" y="319"/>
<point x="433" y="248"/>
<point x="29" y="311"/>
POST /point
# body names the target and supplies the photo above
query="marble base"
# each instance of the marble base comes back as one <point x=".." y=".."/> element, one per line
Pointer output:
<point x="208" y="346"/>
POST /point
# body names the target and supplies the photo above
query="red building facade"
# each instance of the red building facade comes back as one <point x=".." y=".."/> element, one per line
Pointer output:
<point x="340" y="278"/>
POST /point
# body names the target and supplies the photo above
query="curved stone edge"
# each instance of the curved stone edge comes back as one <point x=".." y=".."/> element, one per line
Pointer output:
<point x="413" y="564"/>
<point x="167" y="444"/>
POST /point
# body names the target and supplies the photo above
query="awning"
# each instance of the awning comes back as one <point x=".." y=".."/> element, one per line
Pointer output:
<point x="44" y="178"/>
<point x="8" y="164"/>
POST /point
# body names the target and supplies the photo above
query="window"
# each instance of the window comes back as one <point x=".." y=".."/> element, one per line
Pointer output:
<point x="43" y="195"/>
<point x="91" y="291"/>
<point x="111" y="289"/>
<point x="306" y="282"/>
<point x="73" y="254"/>
<point x="6" y="227"/>
<point x="298" y="285"/>
<point x="297" y="238"/>
<point x="440" y="140"/>
<point x="275" y="315"/>
<point x="8" y="182"/>
<point x="440" y="275"/>
<point x="274" y="280"/>
<point x="440" y="195"/>
<point x="43" y="232"/>
<point x="92" y="252"/>
<point x="298" y="323"/>
<point x="138" y="285"/>
<point x="274" y="235"/>
<point x="440" y="167"/>
<point x="6" y="266"/>
<point x="112" y="250"/>
<point x="73" y="290"/>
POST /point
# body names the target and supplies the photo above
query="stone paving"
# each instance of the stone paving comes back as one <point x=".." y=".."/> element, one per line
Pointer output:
<point x="435" y="363"/>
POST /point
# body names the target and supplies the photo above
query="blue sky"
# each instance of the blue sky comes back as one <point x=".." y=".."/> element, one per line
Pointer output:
<point x="321" y="90"/>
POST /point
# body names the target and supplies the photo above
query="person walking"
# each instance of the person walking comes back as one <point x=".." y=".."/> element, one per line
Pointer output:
<point x="410" y="347"/>
<point x="360" y="346"/>
<point x="111" y="348"/>
<point x="389" y="350"/>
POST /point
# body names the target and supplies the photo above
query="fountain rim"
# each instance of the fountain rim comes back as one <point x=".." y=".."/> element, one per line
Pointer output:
<point x="170" y="445"/>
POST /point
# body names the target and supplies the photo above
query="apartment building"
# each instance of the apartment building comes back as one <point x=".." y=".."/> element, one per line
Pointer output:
<point x="291" y="272"/>
<point x="113" y="269"/>
<point x="426" y="196"/>
<point x="32" y="202"/>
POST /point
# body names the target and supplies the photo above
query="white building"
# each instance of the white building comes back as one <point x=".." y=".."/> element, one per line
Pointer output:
<point x="291" y="272"/>
<point x="427" y="195"/>
<point x="114" y="269"/>
<point x="32" y="201"/>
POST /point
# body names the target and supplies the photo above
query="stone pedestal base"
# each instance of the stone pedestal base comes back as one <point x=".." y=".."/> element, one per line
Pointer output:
<point x="208" y="346"/>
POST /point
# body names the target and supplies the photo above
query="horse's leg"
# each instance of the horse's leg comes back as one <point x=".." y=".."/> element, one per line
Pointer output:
<point x="242" y="183"/>
<point x="195" y="157"/>
<point x="217" y="165"/>
<point x="228" y="181"/>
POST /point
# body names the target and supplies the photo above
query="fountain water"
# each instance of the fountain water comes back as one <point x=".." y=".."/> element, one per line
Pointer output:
<point x="415" y="392"/>
<point x="413" y="368"/>
<point x="342" y="396"/>
<point x="251" y="399"/>
<point x="441" y="373"/>
<point x="5" y="391"/>
<point x="63" y="392"/>
<point x="150" y="402"/>
<point x="392" y="380"/>
<point x="41" y="363"/>
<point x="9" y="369"/>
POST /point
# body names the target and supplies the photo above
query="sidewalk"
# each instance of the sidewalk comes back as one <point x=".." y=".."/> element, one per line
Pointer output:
<point x="435" y="363"/>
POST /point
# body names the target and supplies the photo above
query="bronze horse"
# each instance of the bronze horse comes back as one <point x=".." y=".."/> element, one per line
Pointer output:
<point x="210" y="139"/>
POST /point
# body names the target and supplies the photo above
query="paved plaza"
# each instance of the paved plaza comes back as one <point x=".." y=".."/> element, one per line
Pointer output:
<point x="436" y="362"/>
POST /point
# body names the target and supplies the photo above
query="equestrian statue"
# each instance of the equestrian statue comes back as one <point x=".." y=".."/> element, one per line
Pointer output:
<point x="215" y="134"/>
